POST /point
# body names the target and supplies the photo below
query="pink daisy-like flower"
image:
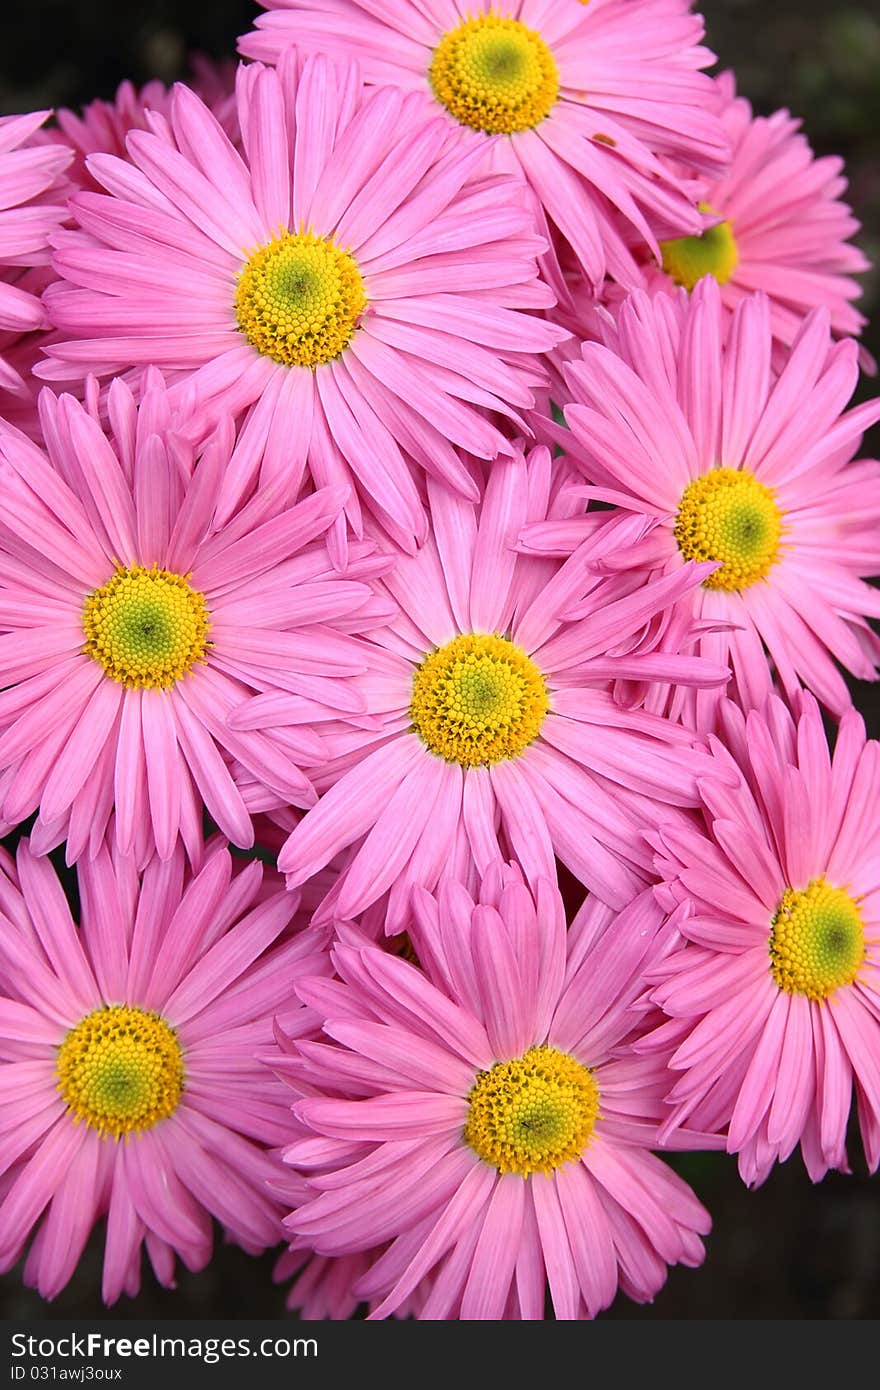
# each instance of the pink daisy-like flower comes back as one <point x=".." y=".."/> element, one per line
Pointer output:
<point x="775" y="1000"/>
<point x="681" y="418"/>
<point x="492" y="1122"/>
<point x="130" y="1083"/>
<point x="775" y="222"/>
<point x="357" y="277"/>
<point x="588" y="99"/>
<point x="130" y="628"/>
<point x="30" y="179"/>
<point x="492" y="725"/>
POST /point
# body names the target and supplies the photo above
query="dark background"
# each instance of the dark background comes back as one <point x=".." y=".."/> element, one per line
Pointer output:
<point x="788" y="1250"/>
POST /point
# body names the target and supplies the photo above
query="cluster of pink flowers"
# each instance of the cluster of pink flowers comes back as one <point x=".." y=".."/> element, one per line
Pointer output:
<point x="426" y="465"/>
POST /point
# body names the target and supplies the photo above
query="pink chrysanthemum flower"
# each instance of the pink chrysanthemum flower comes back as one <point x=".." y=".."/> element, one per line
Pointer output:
<point x="492" y="1122"/>
<point x="357" y="277"/>
<point x="775" y="1000"/>
<point x="775" y="222"/>
<point x="491" y="721"/>
<point x="130" y="1084"/>
<point x="681" y="418"/>
<point x="585" y="97"/>
<point x="31" y="209"/>
<point x="131" y="628"/>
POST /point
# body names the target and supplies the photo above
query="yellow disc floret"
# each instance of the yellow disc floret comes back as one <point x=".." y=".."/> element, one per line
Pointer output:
<point x="299" y="299"/>
<point x="533" y="1113"/>
<point x="688" y="258"/>
<point x="494" y="74"/>
<point x="817" y="940"/>
<point x="120" y="1070"/>
<point x="477" y="700"/>
<point x="728" y="515"/>
<point x="146" y="627"/>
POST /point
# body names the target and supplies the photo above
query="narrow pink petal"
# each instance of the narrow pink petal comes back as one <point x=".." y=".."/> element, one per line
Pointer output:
<point x="164" y="768"/>
<point x="125" y="1231"/>
<point x="347" y="810"/>
<point x="564" y="1289"/>
<point x="488" y="1284"/>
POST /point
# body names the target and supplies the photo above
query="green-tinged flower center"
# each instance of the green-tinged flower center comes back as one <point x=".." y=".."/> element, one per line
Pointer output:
<point x="299" y="299"/>
<point x="478" y="700"/>
<point x="727" y="515"/>
<point x="688" y="258"/>
<point x="120" y="1070"/>
<point x="533" y="1113"/>
<point x="494" y="74"/>
<point x="146" y="627"/>
<point x="817" y="940"/>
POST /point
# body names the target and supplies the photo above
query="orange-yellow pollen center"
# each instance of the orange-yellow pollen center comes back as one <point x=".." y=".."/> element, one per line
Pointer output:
<point x="727" y="515"/>
<point x="532" y="1113"/>
<point x="817" y="940"/>
<point x="120" y="1070"/>
<point x="478" y="700"/>
<point x="494" y="74"/>
<point x="146" y="627"/>
<point x="299" y="299"/>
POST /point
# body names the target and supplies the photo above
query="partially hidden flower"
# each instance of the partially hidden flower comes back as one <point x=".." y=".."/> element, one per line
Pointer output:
<point x="679" y="417"/>
<point x="776" y="222"/>
<point x="101" y="126"/>
<point x="32" y="207"/>
<point x="587" y="103"/>
<point x="774" y="999"/>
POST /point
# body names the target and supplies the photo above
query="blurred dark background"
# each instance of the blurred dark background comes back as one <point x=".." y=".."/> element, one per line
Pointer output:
<point x="788" y="1250"/>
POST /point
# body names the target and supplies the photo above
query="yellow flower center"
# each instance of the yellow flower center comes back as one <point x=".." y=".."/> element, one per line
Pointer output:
<point x="728" y="515"/>
<point x="494" y="74"/>
<point x="688" y="258"/>
<point x="479" y="699"/>
<point x="147" y="627"/>
<point x="533" y="1113"/>
<point x="120" y="1070"/>
<point x="817" y="940"/>
<point x="299" y="299"/>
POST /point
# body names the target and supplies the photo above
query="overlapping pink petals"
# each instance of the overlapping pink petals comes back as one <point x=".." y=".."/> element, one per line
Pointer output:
<point x="342" y="522"/>
<point x="32" y="207"/>
<point x="445" y="248"/>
